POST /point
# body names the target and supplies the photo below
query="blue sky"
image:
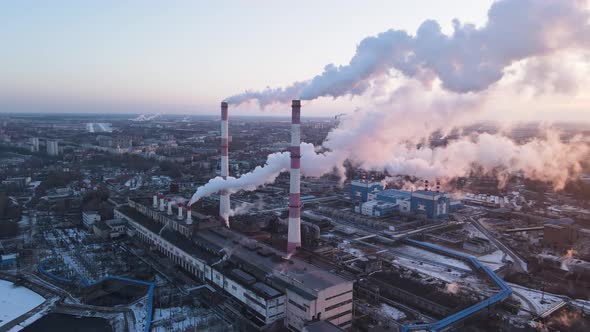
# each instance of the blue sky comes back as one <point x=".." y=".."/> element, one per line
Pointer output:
<point x="186" y="56"/>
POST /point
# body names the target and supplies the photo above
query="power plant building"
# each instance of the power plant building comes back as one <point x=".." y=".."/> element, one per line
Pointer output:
<point x="364" y="190"/>
<point x="433" y="204"/>
<point x="382" y="203"/>
<point x="270" y="286"/>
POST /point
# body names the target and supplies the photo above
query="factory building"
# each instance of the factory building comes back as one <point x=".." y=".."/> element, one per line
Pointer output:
<point x="399" y="197"/>
<point x="563" y="233"/>
<point x="382" y="203"/>
<point x="364" y="190"/>
<point x="268" y="285"/>
<point x="433" y="204"/>
<point x="378" y="208"/>
<point x="89" y="218"/>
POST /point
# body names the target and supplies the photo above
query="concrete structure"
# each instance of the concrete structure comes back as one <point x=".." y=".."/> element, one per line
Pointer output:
<point x="478" y="245"/>
<point x="560" y="233"/>
<point x="224" y="203"/>
<point x="52" y="148"/>
<point x="180" y="211"/>
<point x="155" y="201"/>
<point x="399" y="197"/>
<point x="378" y="208"/>
<point x="189" y="215"/>
<point x="89" y="218"/>
<point x="294" y="230"/>
<point x="117" y="227"/>
<point x="431" y="203"/>
<point x="162" y="204"/>
<point x="101" y="229"/>
<point x="169" y="212"/>
<point x="364" y="190"/>
<point x="270" y="287"/>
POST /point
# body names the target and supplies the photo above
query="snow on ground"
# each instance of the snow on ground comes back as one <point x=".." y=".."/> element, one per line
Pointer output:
<point x="182" y="318"/>
<point x="493" y="260"/>
<point x="539" y="301"/>
<point x="392" y="312"/>
<point x="435" y="271"/>
<point x="140" y="313"/>
<point x="15" y="301"/>
<point x="428" y="255"/>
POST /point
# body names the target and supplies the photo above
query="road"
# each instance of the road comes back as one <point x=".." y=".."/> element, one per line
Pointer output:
<point x="521" y="265"/>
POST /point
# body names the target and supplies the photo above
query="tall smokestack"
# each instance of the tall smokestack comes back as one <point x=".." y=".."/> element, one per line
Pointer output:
<point x="179" y="211"/>
<point x="155" y="203"/>
<point x="294" y="235"/>
<point x="169" y="212"/>
<point x="224" y="205"/>
<point x="189" y="215"/>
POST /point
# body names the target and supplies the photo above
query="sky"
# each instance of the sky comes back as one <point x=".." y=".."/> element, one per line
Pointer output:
<point x="186" y="56"/>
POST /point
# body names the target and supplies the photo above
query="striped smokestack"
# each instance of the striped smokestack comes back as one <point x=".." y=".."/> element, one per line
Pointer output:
<point x="189" y="215"/>
<point x="294" y="235"/>
<point x="224" y="205"/>
<point x="180" y="211"/>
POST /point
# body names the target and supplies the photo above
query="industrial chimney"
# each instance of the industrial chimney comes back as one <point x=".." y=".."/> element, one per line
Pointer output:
<point x="162" y="204"/>
<point x="224" y="205"/>
<point x="189" y="215"/>
<point x="294" y="235"/>
<point x="155" y="201"/>
<point x="179" y="211"/>
<point x="169" y="212"/>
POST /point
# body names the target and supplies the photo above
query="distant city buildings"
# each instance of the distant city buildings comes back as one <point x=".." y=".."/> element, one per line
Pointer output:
<point x="52" y="148"/>
<point x="34" y="144"/>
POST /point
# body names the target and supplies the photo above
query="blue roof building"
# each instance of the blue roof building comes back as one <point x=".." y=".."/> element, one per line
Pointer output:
<point x="363" y="190"/>
<point x="433" y="204"/>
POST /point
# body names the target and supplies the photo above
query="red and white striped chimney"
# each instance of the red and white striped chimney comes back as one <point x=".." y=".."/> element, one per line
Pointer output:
<point x="224" y="205"/>
<point x="179" y="211"/>
<point x="294" y="235"/>
<point x="189" y="215"/>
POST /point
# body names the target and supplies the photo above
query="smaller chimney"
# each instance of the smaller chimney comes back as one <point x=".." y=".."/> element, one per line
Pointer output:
<point x="169" y="207"/>
<point x="162" y="204"/>
<point x="189" y="215"/>
<point x="155" y="203"/>
<point x="179" y="211"/>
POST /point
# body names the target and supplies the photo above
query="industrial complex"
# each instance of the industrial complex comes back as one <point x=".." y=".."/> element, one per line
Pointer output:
<point x="301" y="254"/>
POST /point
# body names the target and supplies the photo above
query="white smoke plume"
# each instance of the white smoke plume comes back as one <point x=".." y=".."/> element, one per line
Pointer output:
<point x="312" y="164"/>
<point x="395" y="136"/>
<point x="469" y="60"/>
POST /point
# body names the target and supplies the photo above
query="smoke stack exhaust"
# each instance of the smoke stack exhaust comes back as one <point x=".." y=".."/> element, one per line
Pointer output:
<point x="189" y="215"/>
<point x="224" y="204"/>
<point x="179" y="211"/>
<point x="294" y="235"/>
<point x="155" y="201"/>
<point x="162" y="204"/>
<point x="169" y="207"/>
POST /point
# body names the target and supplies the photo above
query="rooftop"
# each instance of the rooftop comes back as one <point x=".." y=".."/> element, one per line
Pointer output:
<point x="270" y="262"/>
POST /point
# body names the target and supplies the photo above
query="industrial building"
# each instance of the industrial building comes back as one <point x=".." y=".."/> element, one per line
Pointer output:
<point x="269" y="285"/>
<point x="370" y="200"/>
<point x="364" y="190"/>
<point x="563" y="233"/>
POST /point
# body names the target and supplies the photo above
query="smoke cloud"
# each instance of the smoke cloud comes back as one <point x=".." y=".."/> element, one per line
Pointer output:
<point x="469" y="60"/>
<point x="395" y="136"/>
